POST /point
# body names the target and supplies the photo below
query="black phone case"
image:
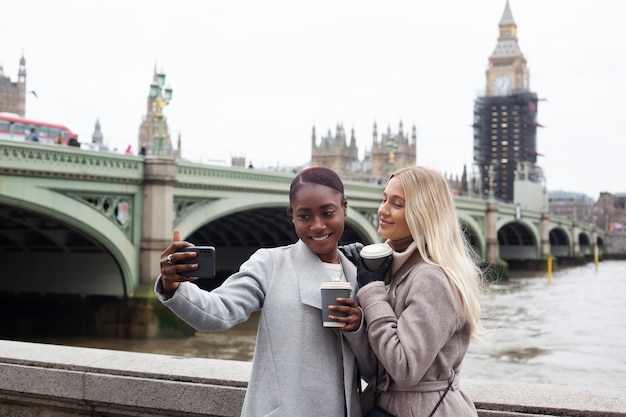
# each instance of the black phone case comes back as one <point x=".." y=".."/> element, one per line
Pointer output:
<point x="205" y="261"/>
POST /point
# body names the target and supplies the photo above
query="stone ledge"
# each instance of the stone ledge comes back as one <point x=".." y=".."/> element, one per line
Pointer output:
<point x="510" y="399"/>
<point x="59" y="381"/>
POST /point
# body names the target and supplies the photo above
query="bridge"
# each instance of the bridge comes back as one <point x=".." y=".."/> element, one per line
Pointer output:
<point x="95" y="223"/>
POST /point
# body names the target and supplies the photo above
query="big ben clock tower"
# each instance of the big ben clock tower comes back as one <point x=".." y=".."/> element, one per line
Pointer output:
<point x="505" y="126"/>
<point x="507" y="71"/>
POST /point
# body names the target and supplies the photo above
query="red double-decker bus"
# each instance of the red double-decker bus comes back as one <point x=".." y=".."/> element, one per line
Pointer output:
<point x="14" y="127"/>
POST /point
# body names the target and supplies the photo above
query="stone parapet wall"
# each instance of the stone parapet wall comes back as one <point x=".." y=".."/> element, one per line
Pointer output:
<point x="60" y="381"/>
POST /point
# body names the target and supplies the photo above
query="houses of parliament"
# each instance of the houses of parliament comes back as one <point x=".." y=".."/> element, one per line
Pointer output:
<point x="387" y="152"/>
<point x="13" y="93"/>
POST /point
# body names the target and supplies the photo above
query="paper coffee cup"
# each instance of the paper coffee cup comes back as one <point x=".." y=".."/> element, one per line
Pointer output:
<point x="330" y="291"/>
<point x="375" y="254"/>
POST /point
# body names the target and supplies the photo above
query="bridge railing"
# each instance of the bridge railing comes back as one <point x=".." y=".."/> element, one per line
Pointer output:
<point x="197" y="175"/>
<point x="30" y="158"/>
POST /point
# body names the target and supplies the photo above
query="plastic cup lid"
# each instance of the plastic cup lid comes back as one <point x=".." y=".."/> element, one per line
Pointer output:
<point x="336" y="284"/>
<point x="376" y="250"/>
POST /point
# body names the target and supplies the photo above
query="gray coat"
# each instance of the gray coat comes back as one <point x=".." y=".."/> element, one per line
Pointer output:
<point x="300" y="368"/>
<point x="419" y="333"/>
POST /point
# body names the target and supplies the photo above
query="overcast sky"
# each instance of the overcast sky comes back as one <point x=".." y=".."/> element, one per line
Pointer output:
<point x="251" y="78"/>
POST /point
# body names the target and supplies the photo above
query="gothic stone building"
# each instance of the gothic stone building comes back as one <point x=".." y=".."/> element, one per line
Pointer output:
<point x="391" y="151"/>
<point x="13" y="94"/>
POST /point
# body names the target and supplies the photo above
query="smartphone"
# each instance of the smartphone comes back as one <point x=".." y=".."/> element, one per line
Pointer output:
<point x="205" y="261"/>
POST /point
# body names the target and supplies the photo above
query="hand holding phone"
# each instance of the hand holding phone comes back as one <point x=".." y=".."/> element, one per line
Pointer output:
<point x="205" y="259"/>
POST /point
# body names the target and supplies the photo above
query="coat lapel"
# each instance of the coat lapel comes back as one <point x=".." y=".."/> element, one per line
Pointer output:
<point x="310" y="273"/>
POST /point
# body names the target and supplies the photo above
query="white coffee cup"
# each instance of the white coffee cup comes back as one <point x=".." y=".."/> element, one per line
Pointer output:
<point x="330" y="291"/>
<point x="375" y="254"/>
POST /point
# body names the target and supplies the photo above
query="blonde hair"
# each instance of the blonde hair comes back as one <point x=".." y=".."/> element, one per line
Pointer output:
<point x="432" y="219"/>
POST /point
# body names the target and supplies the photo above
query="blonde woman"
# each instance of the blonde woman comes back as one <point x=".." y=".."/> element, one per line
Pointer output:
<point x="421" y="323"/>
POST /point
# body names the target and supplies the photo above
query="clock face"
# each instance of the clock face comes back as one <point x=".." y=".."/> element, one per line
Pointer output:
<point x="502" y="85"/>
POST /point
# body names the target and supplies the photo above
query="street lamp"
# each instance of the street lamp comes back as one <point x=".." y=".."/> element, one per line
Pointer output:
<point x="492" y="175"/>
<point x="163" y="97"/>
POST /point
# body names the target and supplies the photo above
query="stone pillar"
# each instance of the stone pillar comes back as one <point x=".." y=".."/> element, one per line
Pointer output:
<point x="594" y="244"/>
<point x="576" y="238"/>
<point x="491" y="231"/>
<point x="158" y="214"/>
<point x="544" y="233"/>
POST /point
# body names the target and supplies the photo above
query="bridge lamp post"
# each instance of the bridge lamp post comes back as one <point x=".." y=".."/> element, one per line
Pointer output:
<point x="492" y="175"/>
<point x="162" y="97"/>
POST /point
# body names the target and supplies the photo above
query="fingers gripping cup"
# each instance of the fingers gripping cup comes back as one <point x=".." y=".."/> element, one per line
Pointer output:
<point x="330" y="291"/>
<point x="374" y="255"/>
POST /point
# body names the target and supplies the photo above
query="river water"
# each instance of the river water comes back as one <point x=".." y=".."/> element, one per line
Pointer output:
<point x="570" y="330"/>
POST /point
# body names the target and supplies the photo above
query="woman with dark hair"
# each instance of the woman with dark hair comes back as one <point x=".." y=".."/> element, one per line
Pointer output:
<point x="300" y="368"/>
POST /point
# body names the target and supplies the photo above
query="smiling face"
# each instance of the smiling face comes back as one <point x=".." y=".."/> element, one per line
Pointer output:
<point x="318" y="216"/>
<point x="391" y="213"/>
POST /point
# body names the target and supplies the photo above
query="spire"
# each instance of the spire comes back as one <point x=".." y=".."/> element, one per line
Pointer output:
<point x="464" y="184"/>
<point x="22" y="71"/>
<point x="340" y="136"/>
<point x="507" y="16"/>
<point x="21" y="88"/>
<point x="507" y="46"/>
<point x="97" y="138"/>
<point x="375" y="134"/>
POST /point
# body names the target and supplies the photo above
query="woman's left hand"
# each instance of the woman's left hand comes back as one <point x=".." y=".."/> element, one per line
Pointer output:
<point x="352" y="311"/>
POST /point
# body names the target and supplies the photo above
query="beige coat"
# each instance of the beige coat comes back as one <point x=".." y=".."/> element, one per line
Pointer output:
<point x="420" y="335"/>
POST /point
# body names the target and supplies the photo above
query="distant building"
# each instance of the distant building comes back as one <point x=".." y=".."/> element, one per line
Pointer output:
<point x="391" y="151"/>
<point x="573" y="205"/>
<point x="610" y="211"/>
<point x="529" y="187"/>
<point x="505" y="125"/>
<point x="610" y="215"/>
<point x="459" y="186"/>
<point x="13" y="94"/>
<point x="238" y="161"/>
<point x="335" y="152"/>
<point x="97" y="138"/>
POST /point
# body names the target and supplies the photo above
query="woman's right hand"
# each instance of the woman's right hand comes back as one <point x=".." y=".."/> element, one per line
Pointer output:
<point x="170" y="268"/>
